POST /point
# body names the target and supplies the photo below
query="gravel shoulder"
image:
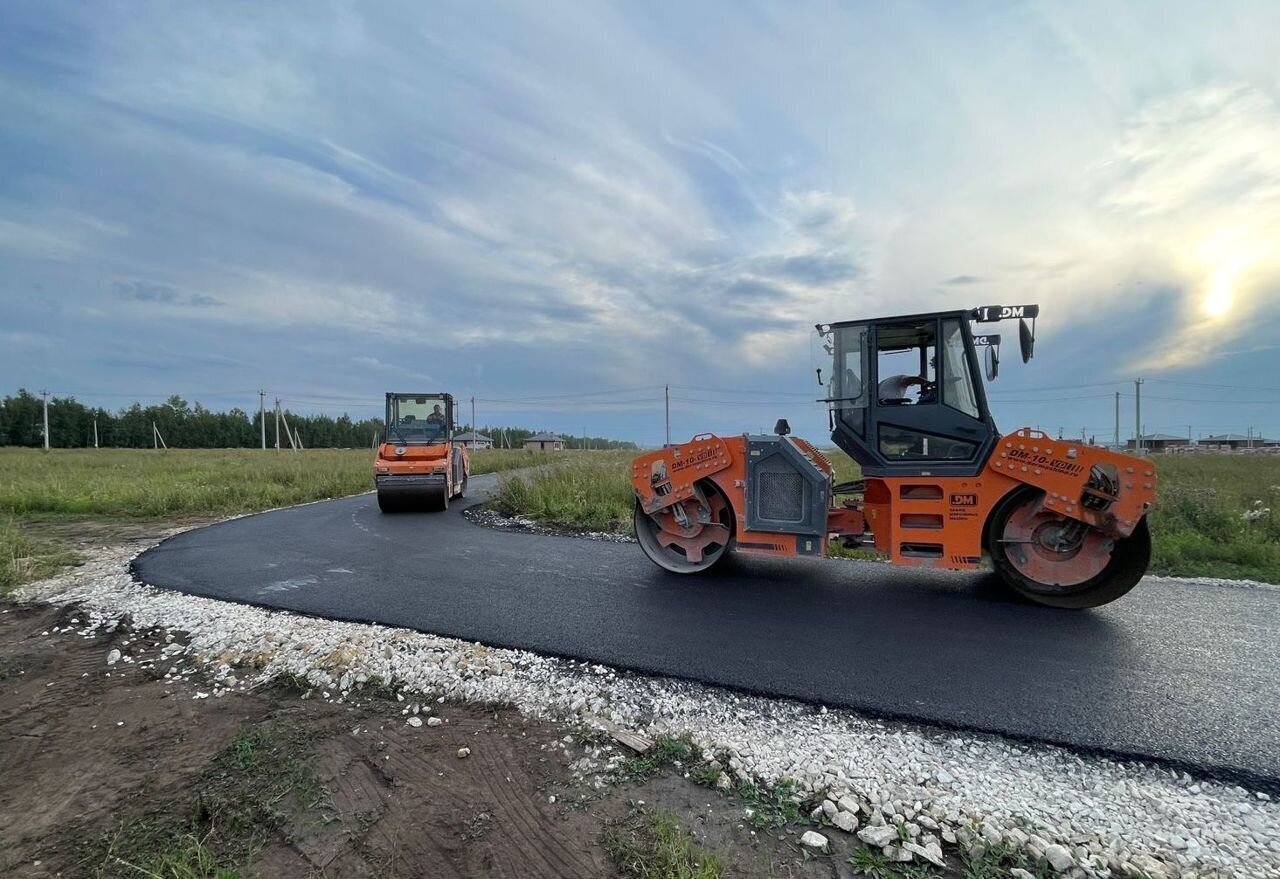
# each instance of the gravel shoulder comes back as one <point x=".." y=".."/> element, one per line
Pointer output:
<point x="1088" y="816"/>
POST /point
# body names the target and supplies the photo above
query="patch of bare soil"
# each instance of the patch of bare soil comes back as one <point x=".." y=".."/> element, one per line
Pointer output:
<point x="118" y="770"/>
<point x="81" y="533"/>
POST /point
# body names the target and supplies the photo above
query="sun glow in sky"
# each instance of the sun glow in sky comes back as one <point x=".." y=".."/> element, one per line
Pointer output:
<point x="1221" y="296"/>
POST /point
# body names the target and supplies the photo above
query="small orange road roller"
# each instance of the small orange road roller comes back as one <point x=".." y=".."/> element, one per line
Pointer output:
<point x="419" y="464"/>
<point x="1063" y="523"/>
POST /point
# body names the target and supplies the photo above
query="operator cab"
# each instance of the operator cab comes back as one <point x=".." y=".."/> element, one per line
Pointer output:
<point x="906" y="393"/>
<point x="417" y="419"/>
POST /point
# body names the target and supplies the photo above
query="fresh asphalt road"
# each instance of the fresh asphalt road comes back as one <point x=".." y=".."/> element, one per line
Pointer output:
<point x="1182" y="672"/>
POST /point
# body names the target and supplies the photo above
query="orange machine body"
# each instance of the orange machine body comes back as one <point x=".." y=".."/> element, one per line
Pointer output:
<point x="405" y="460"/>
<point x="919" y="520"/>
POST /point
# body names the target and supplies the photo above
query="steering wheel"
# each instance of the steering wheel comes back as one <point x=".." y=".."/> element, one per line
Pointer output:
<point x="928" y="393"/>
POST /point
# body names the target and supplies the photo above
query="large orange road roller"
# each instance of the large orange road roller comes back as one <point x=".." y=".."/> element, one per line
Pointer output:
<point x="419" y="464"/>
<point x="1063" y="523"/>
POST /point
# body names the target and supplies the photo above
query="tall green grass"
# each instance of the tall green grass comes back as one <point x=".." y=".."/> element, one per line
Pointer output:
<point x="141" y="483"/>
<point x="23" y="558"/>
<point x="498" y="460"/>
<point x="589" y="490"/>
<point x="133" y="483"/>
<point x="1217" y="515"/>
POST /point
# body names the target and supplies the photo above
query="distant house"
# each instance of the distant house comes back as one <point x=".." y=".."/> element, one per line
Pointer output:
<point x="544" y="442"/>
<point x="1236" y="441"/>
<point x="474" y="440"/>
<point x="1160" y="442"/>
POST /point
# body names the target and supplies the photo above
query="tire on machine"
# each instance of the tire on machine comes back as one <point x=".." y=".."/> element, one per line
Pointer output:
<point x="1130" y="557"/>
<point x="713" y="540"/>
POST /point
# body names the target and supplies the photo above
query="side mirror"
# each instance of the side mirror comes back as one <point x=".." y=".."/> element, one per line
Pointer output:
<point x="1026" y="340"/>
<point x="993" y="363"/>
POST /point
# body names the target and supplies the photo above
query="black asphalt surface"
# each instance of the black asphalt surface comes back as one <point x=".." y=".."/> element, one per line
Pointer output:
<point x="1187" y="674"/>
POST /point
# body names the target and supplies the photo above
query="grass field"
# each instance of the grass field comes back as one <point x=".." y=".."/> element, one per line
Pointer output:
<point x="66" y="485"/>
<point x="1218" y="515"/>
<point x="590" y="491"/>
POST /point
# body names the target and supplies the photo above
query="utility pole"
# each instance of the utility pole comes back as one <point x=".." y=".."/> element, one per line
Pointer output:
<point x="262" y="416"/>
<point x="45" y="394"/>
<point x="277" y="424"/>
<point x="1117" y="419"/>
<point x="288" y="433"/>
<point x="474" y="431"/>
<point x="1137" y="417"/>
<point x="95" y="431"/>
<point x="667" y="396"/>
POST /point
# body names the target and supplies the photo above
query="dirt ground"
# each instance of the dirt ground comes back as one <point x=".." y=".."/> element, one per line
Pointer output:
<point x="114" y="770"/>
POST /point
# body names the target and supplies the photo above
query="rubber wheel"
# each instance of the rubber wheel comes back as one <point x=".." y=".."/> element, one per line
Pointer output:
<point x="1130" y="557"/>
<point x="671" y="554"/>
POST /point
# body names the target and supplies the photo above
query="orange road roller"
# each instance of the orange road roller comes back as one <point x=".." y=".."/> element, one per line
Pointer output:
<point x="1063" y="523"/>
<point x="420" y="466"/>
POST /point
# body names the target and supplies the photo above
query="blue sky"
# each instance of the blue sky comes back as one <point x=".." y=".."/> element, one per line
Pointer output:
<point x="559" y="208"/>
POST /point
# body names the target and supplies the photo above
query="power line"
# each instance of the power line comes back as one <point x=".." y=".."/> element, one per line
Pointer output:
<point x="1075" y="387"/>
<point x="738" y="402"/>
<point x="1219" y="401"/>
<point x="742" y="392"/>
<point x="1004" y="402"/>
<point x="539" y="397"/>
<point x="1169" y="381"/>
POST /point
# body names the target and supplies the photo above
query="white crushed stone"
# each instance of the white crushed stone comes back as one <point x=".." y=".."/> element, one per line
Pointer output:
<point x="813" y="839"/>
<point x="1085" y="816"/>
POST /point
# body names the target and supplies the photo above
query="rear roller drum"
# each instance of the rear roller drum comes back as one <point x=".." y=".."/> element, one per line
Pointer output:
<point x="436" y="499"/>
<point x="1061" y="562"/>
<point x="389" y="503"/>
<point x="690" y="536"/>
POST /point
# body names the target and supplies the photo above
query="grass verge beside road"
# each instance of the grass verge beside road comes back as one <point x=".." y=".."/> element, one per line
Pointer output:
<point x="591" y="491"/>
<point x="1217" y="515"/>
<point x="44" y="493"/>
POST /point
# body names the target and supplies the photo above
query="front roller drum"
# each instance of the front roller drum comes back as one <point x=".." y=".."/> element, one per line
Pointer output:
<point x="690" y="536"/>
<point x="1061" y="562"/>
<point x="431" y="498"/>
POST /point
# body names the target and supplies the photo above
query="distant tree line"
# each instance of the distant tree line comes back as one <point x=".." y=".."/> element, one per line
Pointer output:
<point x="182" y="425"/>
<point x="186" y="426"/>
